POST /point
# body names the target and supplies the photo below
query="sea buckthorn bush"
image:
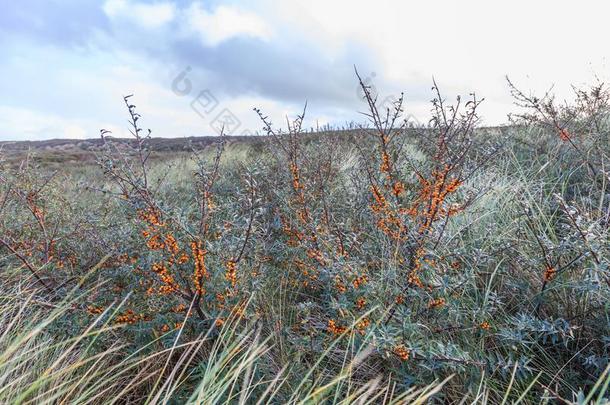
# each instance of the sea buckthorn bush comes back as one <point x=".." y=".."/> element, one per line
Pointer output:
<point x="388" y="254"/>
<point x="194" y="259"/>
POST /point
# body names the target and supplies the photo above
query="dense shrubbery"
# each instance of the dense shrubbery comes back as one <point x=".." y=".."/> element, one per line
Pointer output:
<point x="358" y="264"/>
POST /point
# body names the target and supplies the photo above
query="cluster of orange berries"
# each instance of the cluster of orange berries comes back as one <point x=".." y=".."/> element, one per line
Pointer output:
<point x="34" y="208"/>
<point x="316" y="254"/>
<point x="48" y="246"/>
<point x="231" y="273"/>
<point x="169" y="284"/>
<point x="402" y="352"/>
<point x="166" y="328"/>
<point x="209" y="202"/>
<point x="360" y="281"/>
<point x="239" y="309"/>
<point x="296" y="178"/>
<point x="414" y="279"/>
<point x="167" y="242"/>
<point x="26" y="246"/>
<point x="298" y="188"/>
<point x="130" y="317"/>
<point x="380" y="203"/>
<point x="155" y="242"/>
<point x="178" y="309"/>
<point x="159" y="241"/>
<point x="200" y="272"/>
<point x="151" y="216"/>
<point x="362" y="325"/>
<point x="171" y="244"/>
<point x="294" y="236"/>
<point x="360" y="303"/>
<point x="73" y="261"/>
<point x="386" y="166"/>
<point x="220" y="301"/>
<point x="334" y="328"/>
<point x="392" y="226"/>
<point x="398" y="188"/>
<point x="485" y="325"/>
<point x="307" y="270"/>
<point x="93" y="310"/>
<point x="432" y="196"/>
<point x="388" y="221"/>
<point x="549" y="273"/>
<point x="436" y="303"/>
<point x="340" y="285"/>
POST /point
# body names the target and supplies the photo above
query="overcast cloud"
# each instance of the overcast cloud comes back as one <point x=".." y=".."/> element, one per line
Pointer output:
<point x="65" y="65"/>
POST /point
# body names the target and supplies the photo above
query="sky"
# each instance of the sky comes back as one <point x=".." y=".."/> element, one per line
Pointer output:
<point x="194" y="66"/>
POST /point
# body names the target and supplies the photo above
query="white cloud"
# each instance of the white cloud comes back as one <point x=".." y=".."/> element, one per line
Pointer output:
<point x="466" y="46"/>
<point x="20" y="123"/>
<point x="152" y="15"/>
<point x="225" y="22"/>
